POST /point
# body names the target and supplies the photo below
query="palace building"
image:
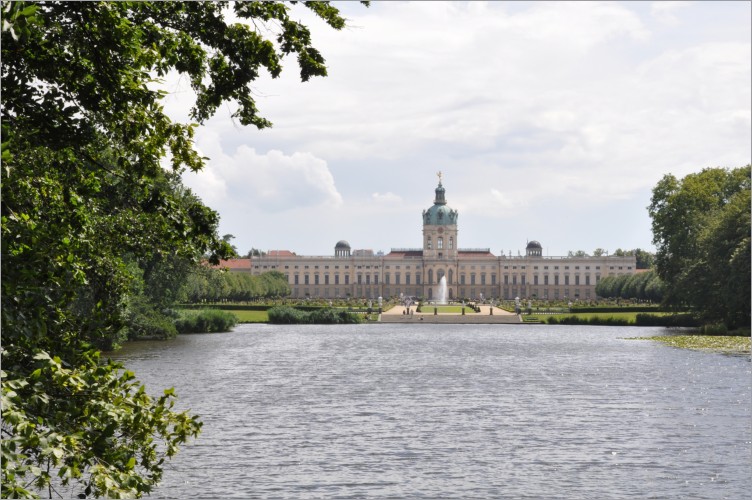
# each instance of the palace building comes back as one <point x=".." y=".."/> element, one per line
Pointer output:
<point x="471" y="273"/>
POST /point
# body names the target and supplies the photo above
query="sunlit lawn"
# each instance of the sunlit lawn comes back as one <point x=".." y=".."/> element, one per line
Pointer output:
<point x="250" y="316"/>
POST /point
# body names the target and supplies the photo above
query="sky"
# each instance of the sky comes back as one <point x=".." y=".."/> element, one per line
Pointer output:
<point x="549" y="122"/>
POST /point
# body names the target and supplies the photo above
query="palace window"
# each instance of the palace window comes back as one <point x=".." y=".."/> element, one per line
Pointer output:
<point x="472" y="278"/>
<point x="462" y="279"/>
<point x="535" y="279"/>
<point x="360" y="279"/>
<point x="417" y="279"/>
<point x="450" y="277"/>
<point x="326" y="279"/>
<point x="577" y="280"/>
<point x="439" y="243"/>
<point x="336" y="279"/>
<point x="430" y="276"/>
<point x="375" y="279"/>
<point x="386" y="278"/>
<point x="297" y="279"/>
<point x="566" y="279"/>
<point x="407" y="279"/>
<point x="493" y="279"/>
<point x="556" y="279"/>
<point x="428" y="243"/>
<point x="306" y="279"/>
<point x="347" y="279"/>
<point x="451" y="242"/>
<point x="483" y="278"/>
<point x="316" y="279"/>
<point x="368" y="279"/>
<point x="545" y="280"/>
<point x="397" y="278"/>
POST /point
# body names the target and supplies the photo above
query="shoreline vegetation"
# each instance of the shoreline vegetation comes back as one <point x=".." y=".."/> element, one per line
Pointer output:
<point x="726" y="344"/>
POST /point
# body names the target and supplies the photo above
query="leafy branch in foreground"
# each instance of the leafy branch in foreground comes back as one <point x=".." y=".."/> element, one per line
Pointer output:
<point x="89" y="215"/>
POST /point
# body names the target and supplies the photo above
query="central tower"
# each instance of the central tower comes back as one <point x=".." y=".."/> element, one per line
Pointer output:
<point x="440" y="228"/>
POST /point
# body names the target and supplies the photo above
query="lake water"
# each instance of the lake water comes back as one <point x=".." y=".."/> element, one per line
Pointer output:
<point x="452" y="411"/>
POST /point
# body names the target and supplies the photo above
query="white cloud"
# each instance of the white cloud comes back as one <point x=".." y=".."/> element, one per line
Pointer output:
<point x="666" y="12"/>
<point x="549" y="107"/>
<point x="272" y="181"/>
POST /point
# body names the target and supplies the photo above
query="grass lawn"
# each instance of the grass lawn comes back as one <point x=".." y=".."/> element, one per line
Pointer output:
<point x="250" y="316"/>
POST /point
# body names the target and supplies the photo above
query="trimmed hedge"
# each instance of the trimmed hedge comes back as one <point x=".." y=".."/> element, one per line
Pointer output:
<point x="594" y="320"/>
<point x="285" y="315"/>
<point x="244" y="307"/>
<point x="614" y="309"/>
<point x="229" y="307"/>
<point x="206" y="321"/>
<point x="673" y="320"/>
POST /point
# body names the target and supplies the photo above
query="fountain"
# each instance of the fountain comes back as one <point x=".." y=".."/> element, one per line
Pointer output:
<point x="441" y="293"/>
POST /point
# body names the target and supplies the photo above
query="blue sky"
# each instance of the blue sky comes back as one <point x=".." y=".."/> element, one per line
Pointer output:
<point x="549" y="121"/>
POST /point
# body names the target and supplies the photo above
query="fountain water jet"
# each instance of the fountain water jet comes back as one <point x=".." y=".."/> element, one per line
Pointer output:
<point x="441" y="293"/>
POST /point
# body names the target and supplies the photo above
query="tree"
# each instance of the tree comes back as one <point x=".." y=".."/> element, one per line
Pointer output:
<point x="85" y="198"/>
<point x="701" y="228"/>
<point x="578" y="253"/>
<point x="227" y="238"/>
<point x="644" y="259"/>
<point x="640" y="286"/>
<point x="599" y="252"/>
<point x="255" y="252"/>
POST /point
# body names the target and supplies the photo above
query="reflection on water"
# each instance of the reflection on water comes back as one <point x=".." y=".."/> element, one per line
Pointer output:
<point x="452" y="411"/>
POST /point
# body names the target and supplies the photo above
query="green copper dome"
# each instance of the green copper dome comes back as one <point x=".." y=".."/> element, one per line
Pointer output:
<point x="440" y="214"/>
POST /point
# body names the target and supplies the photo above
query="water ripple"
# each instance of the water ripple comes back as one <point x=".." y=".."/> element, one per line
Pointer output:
<point x="481" y="411"/>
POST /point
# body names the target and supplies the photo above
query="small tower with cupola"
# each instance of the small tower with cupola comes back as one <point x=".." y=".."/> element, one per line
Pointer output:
<point x="440" y="228"/>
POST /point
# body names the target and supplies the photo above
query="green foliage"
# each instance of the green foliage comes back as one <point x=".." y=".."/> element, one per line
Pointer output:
<point x="725" y="344"/>
<point x="205" y="284"/>
<point x="667" y="320"/>
<point x="144" y="321"/>
<point x="98" y="427"/>
<point x="640" y="286"/>
<point x="592" y="320"/>
<point x="701" y="228"/>
<point x="628" y="308"/>
<point x="205" y="321"/>
<point x="714" y="329"/>
<point x="93" y="226"/>
<point x="328" y="316"/>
